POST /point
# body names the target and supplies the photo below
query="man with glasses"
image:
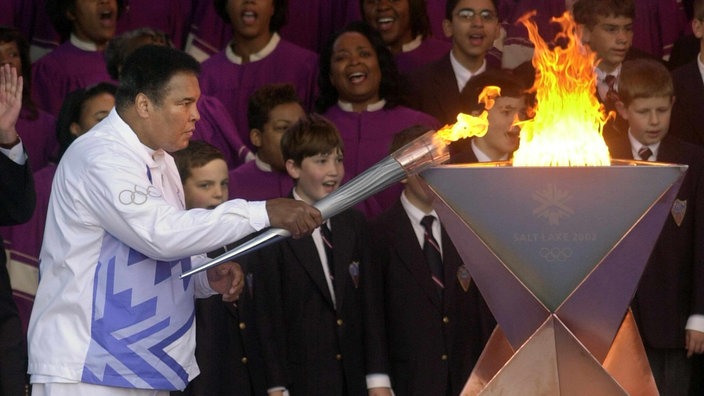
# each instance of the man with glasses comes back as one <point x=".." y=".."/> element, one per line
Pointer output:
<point x="472" y="25"/>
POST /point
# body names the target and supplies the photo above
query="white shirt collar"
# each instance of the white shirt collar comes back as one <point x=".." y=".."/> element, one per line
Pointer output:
<point x="481" y="156"/>
<point x="346" y="106"/>
<point x="84" y="45"/>
<point x="462" y="74"/>
<point x="415" y="215"/>
<point x="263" y="53"/>
<point x="701" y="65"/>
<point x="601" y="85"/>
<point x="636" y="146"/>
<point x="413" y="44"/>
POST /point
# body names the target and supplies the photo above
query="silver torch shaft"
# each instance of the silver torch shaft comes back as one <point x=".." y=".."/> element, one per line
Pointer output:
<point x="425" y="151"/>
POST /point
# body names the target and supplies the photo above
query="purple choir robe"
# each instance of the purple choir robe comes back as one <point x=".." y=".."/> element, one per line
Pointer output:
<point x="164" y="15"/>
<point x="39" y="138"/>
<point x="254" y="184"/>
<point x="436" y="14"/>
<point x="429" y="50"/>
<point x="63" y="70"/>
<point x="367" y="137"/>
<point x="44" y="37"/>
<point x="657" y="25"/>
<point x="233" y="84"/>
<point x="18" y="14"/>
<point x="207" y="33"/>
<point x="24" y="241"/>
<point x="310" y="23"/>
<point x="217" y="128"/>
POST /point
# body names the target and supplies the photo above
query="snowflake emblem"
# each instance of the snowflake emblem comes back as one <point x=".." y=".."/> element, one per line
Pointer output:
<point x="553" y="204"/>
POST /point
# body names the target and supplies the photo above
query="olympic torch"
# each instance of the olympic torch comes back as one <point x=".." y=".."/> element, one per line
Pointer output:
<point x="427" y="150"/>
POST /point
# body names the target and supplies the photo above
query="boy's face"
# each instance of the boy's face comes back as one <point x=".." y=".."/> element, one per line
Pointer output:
<point x="502" y="136"/>
<point x="268" y="140"/>
<point x="392" y="18"/>
<point x="473" y="29"/>
<point x="94" y="21"/>
<point x="250" y="19"/>
<point x="610" y="38"/>
<point x="317" y="176"/>
<point x="416" y="192"/>
<point x="648" y="118"/>
<point x="206" y="188"/>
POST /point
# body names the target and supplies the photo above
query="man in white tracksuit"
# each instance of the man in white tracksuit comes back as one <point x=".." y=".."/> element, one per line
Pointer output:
<point x="111" y="316"/>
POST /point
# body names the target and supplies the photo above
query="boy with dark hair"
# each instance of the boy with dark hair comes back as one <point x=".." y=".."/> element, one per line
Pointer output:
<point x="473" y="25"/>
<point x="312" y="307"/>
<point x="272" y="109"/>
<point x="436" y="322"/>
<point x="502" y="136"/>
<point x="669" y="302"/>
<point x="607" y="28"/>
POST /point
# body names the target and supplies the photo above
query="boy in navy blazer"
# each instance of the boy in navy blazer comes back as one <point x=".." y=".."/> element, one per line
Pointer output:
<point x="669" y="302"/>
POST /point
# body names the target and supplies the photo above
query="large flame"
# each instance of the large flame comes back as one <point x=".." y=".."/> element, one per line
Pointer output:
<point x="467" y="125"/>
<point x="568" y="123"/>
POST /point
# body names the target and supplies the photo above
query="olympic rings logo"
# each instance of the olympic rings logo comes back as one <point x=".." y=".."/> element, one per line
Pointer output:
<point x="138" y="196"/>
<point x="555" y="254"/>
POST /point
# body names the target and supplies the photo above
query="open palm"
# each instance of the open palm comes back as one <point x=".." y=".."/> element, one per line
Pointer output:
<point x="10" y="101"/>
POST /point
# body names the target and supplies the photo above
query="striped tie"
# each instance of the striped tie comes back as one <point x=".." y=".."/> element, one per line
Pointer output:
<point x="431" y="250"/>
<point x="326" y="235"/>
<point x="644" y="153"/>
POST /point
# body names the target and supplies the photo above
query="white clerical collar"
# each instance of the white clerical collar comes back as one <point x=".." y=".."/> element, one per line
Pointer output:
<point x="261" y="165"/>
<point x="482" y="157"/>
<point x="347" y="106"/>
<point x="636" y="146"/>
<point x="462" y="74"/>
<point x="413" y="44"/>
<point x="263" y="53"/>
<point x="84" y="45"/>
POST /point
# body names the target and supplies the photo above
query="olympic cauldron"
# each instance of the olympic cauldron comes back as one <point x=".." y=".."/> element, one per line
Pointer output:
<point x="557" y="253"/>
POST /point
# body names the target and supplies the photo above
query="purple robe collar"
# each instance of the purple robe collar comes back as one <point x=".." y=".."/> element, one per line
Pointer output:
<point x="413" y="44"/>
<point x="263" y="53"/>
<point x="347" y="106"/>
<point x="261" y="165"/>
<point x="84" y="45"/>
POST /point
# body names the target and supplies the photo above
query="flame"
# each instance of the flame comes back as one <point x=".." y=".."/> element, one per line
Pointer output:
<point x="467" y="125"/>
<point x="568" y="123"/>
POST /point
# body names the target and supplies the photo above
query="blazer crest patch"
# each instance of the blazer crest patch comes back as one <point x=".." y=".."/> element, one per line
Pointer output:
<point x="464" y="277"/>
<point x="679" y="209"/>
<point x="354" y="273"/>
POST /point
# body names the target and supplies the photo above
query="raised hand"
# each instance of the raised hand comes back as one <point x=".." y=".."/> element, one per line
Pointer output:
<point x="10" y="103"/>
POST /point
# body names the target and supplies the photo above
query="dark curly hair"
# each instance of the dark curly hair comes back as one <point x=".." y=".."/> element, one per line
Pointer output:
<point x="390" y="86"/>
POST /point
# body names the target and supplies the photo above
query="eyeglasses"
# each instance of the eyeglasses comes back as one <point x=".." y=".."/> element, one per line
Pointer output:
<point x="468" y="14"/>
